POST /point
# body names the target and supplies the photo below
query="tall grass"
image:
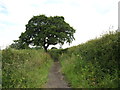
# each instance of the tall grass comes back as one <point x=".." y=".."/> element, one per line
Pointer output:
<point x="24" y="68"/>
<point x="93" y="64"/>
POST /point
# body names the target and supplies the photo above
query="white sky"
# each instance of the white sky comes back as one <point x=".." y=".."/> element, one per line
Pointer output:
<point x="90" y="18"/>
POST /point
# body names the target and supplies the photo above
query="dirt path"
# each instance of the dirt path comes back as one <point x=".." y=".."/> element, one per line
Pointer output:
<point x="55" y="78"/>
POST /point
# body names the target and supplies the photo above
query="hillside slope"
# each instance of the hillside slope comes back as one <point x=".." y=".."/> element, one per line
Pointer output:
<point x="93" y="64"/>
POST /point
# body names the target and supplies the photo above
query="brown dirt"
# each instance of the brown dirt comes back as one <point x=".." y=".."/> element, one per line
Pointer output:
<point x="55" y="78"/>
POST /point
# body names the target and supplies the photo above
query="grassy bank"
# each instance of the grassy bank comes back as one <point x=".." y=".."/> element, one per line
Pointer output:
<point x="24" y="68"/>
<point x="93" y="64"/>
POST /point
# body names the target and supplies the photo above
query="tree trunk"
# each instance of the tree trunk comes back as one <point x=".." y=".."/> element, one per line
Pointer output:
<point x="45" y="47"/>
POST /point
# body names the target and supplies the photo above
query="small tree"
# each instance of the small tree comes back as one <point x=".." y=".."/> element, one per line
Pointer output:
<point x="44" y="31"/>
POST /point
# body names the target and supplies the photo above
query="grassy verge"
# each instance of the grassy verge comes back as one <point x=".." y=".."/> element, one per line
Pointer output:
<point x="93" y="64"/>
<point x="24" y="68"/>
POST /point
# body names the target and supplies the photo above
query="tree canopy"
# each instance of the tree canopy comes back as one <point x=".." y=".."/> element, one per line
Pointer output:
<point x="45" y="31"/>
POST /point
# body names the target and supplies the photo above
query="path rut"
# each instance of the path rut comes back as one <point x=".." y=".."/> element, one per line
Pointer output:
<point x="55" y="78"/>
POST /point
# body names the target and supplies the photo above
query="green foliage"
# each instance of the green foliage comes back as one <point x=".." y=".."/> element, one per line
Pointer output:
<point x="93" y="64"/>
<point x="53" y="48"/>
<point x="44" y="31"/>
<point x="55" y="53"/>
<point x="19" y="45"/>
<point x="24" y="68"/>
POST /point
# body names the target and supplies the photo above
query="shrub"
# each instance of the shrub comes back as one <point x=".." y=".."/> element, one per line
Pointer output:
<point x="93" y="64"/>
<point x="24" y="68"/>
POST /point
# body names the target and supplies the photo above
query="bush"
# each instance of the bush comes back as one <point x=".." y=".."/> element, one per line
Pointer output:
<point x="56" y="53"/>
<point x="93" y="64"/>
<point x="24" y="68"/>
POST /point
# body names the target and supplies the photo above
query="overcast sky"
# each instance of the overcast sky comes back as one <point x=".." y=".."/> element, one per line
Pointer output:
<point x="90" y="18"/>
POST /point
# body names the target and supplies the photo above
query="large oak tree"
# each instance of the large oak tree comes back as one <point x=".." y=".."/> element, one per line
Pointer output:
<point x="45" y="31"/>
